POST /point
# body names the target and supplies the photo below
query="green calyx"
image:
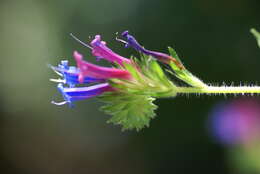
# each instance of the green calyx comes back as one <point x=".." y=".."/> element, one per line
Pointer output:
<point x="131" y="105"/>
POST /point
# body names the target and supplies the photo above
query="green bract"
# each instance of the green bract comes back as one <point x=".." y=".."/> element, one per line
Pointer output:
<point x="257" y="35"/>
<point x="131" y="105"/>
<point x="129" y="110"/>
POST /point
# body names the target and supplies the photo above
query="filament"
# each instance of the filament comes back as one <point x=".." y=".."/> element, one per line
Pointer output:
<point x="59" y="103"/>
<point x="81" y="42"/>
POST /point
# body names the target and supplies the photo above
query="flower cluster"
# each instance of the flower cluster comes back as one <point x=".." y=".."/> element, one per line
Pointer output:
<point x="97" y="76"/>
<point x="88" y="73"/>
<point x="130" y="81"/>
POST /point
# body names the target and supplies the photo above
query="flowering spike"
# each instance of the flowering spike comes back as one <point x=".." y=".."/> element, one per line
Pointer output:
<point x="91" y="70"/>
<point x="81" y="93"/>
<point x="130" y="89"/>
<point x="165" y="58"/>
<point x="100" y="50"/>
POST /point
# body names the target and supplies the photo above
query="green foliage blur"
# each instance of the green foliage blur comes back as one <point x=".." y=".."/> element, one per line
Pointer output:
<point x="212" y="39"/>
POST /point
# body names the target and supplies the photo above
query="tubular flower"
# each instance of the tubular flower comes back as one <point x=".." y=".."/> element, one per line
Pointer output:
<point x="90" y="70"/>
<point x="81" y="93"/>
<point x="70" y="75"/>
<point x="100" y="50"/>
<point x="132" y="42"/>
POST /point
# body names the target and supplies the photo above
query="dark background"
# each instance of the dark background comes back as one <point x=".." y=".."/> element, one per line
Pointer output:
<point x="211" y="37"/>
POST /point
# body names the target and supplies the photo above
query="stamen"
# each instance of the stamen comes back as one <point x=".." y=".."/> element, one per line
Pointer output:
<point x="81" y="42"/>
<point x="55" y="70"/>
<point x="59" y="103"/>
<point x="58" y="80"/>
<point x="120" y="40"/>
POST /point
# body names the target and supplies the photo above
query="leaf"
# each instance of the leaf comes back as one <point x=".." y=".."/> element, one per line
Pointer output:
<point x="184" y="74"/>
<point x="133" y="71"/>
<point x="129" y="110"/>
<point x="257" y="35"/>
<point x="174" y="54"/>
<point x="157" y="69"/>
<point x="158" y="73"/>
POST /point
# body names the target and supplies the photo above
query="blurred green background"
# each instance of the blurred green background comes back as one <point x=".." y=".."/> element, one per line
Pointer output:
<point x="211" y="37"/>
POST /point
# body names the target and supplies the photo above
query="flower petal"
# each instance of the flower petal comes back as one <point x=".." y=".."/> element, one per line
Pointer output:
<point x="165" y="58"/>
<point x="81" y="93"/>
<point x="70" y="75"/>
<point x="91" y="70"/>
<point x="100" y="50"/>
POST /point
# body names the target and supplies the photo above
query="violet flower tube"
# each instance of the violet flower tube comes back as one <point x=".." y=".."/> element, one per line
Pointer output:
<point x="90" y="70"/>
<point x="70" y="75"/>
<point x="165" y="58"/>
<point x="100" y="50"/>
<point x="81" y="93"/>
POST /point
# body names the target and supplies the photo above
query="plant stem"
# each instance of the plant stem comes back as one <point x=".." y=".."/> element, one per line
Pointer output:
<point x="220" y="90"/>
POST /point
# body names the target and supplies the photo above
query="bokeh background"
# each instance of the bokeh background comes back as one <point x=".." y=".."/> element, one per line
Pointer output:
<point x="213" y="40"/>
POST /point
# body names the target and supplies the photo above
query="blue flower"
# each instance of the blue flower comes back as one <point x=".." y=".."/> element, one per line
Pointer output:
<point x="70" y="75"/>
<point x="81" y="93"/>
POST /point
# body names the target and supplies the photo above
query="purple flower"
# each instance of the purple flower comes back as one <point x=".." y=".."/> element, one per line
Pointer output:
<point x="87" y="69"/>
<point x="70" y="74"/>
<point x="132" y="42"/>
<point x="236" y="122"/>
<point x="86" y="73"/>
<point x="81" y="93"/>
<point x="100" y="50"/>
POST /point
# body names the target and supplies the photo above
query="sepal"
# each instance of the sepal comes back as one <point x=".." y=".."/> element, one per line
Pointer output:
<point x="129" y="110"/>
<point x="257" y="36"/>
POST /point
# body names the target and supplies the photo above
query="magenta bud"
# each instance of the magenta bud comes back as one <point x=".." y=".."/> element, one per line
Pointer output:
<point x="95" y="71"/>
<point x="100" y="50"/>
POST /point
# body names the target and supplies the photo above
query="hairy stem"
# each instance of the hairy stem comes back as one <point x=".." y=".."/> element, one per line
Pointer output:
<point x="220" y="90"/>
